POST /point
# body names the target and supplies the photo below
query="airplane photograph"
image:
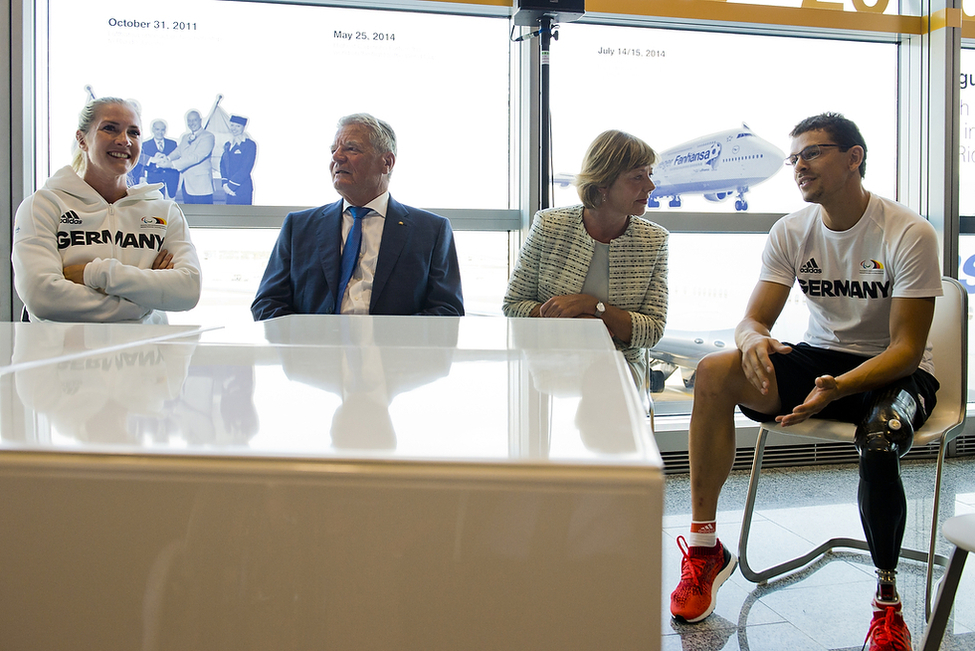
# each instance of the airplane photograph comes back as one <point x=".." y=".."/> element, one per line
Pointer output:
<point x="717" y="166"/>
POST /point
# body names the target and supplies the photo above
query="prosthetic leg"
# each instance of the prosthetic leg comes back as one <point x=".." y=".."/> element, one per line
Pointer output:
<point x="882" y="438"/>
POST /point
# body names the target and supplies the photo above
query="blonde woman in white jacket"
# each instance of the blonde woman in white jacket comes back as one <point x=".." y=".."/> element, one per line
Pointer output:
<point x="89" y="248"/>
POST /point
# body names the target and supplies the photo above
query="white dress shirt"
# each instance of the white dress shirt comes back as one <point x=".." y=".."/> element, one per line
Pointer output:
<point x="358" y="293"/>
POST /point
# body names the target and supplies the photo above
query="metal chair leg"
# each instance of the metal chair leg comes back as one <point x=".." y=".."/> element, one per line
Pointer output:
<point x="762" y="576"/>
<point x="938" y="620"/>
<point x="933" y="557"/>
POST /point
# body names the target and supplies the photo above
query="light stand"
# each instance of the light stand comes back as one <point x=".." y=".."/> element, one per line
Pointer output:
<point x="546" y="15"/>
<point x="545" y="115"/>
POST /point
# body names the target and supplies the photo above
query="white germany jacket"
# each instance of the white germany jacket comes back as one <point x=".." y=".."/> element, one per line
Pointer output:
<point x="67" y="222"/>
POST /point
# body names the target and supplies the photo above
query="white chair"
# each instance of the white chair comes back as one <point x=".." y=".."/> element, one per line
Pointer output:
<point x="949" y="336"/>
<point x="961" y="531"/>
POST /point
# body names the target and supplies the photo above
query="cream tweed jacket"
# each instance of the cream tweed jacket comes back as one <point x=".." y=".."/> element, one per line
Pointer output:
<point x="554" y="261"/>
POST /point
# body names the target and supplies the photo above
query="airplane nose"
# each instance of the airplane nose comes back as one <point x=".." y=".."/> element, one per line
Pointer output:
<point x="773" y="155"/>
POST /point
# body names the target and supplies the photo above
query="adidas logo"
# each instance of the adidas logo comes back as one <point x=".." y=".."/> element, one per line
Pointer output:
<point x="70" y="217"/>
<point x="810" y="267"/>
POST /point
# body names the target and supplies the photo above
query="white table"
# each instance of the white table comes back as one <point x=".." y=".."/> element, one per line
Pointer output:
<point x="326" y="482"/>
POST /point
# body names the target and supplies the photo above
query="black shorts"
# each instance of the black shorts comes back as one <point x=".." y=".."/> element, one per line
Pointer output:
<point x="796" y="374"/>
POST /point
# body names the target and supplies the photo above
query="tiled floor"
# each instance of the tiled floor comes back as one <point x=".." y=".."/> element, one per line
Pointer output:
<point x="827" y="605"/>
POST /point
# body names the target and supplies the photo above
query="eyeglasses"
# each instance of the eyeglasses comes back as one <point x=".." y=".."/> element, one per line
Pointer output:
<point x="809" y="153"/>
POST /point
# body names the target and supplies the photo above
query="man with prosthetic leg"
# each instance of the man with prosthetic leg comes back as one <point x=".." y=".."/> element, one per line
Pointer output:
<point x="869" y="270"/>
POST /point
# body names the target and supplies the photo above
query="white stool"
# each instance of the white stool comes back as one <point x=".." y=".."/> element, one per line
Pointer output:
<point x="961" y="531"/>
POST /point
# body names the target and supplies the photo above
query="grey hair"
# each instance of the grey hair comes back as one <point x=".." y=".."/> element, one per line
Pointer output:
<point x="79" y="161"/>
<point x="381" y="135"/>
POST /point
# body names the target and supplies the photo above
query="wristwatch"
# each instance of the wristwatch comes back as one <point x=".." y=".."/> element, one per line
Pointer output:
<point x="600" y="309"/>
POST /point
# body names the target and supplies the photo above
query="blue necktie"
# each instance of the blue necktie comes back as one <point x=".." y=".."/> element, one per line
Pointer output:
<point x="350" y="254"/>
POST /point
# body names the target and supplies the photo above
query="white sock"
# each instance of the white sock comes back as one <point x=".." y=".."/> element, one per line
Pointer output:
<point x="703" y="534"/>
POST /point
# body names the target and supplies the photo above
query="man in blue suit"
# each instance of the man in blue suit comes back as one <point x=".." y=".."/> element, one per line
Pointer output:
<point x="407" y="263"/>
<point x="160" y="144"/>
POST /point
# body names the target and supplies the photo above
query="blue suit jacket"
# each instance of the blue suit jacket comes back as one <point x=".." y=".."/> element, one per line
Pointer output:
<point x="416" y="272"/>
<point x="149" y="149"/>
<point x="160" y="174"/>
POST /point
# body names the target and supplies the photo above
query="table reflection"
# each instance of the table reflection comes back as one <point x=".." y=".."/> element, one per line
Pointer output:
<point x="361" y="387"/>
<point x="114" y="395"/>
<point x="593" y="380"/>
<point x="216" y="404"/>
<point x="367" y="367"/>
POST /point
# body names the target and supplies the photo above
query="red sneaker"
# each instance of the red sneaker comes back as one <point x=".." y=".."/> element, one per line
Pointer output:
<point x="702" y="571"/>
<point x="888" y="632"/>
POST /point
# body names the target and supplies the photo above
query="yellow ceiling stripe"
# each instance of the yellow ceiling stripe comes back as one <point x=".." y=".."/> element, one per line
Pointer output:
<point x="820" y="14"/>
<point x="819" y="17"/>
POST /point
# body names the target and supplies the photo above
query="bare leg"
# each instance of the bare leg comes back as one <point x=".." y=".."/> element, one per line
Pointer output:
<point x="719" y="386"/>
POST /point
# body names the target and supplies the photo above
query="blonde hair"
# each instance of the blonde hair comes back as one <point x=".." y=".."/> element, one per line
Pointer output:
<point x="611" y="154"/>
<point x="79" y="160"/>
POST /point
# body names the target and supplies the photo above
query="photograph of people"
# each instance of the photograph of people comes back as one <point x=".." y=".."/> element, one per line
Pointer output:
<point x="160" y="144"/>
<point x="192" y="160"/>
<point x="89" y="248"/>
<point x="865" y="359"/>
<point x="366" y="253"/>
<point x="236" y="164"/>
<point x="600" y="259"/>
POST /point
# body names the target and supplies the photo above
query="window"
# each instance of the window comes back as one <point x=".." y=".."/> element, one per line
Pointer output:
<point x="966" y="154"/>
<point x="440" y="80"/>
<point x="718" y="107"/>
